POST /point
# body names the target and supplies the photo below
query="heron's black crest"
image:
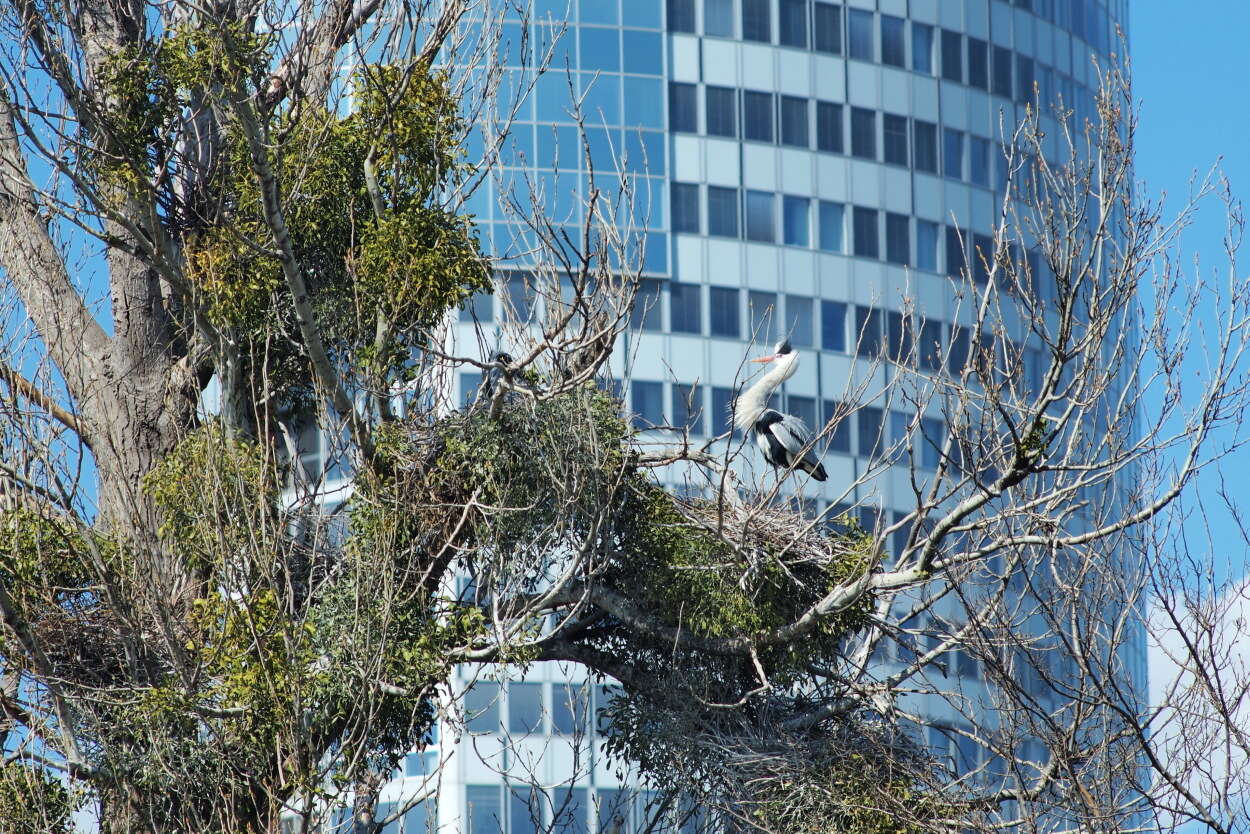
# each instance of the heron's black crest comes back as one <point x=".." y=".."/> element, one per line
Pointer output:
<point x="783" y="347"/>
<point x="502" y="358"/>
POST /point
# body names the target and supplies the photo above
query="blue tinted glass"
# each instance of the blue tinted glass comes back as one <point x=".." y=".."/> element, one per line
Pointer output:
<point x="604" y="144"/>
<point x="558" y="147"/>
<point x="644" y="102"/>
<point x="469" y="383"/>
<point x="599" y="11"/>
<point x="510" y="46"/>
<point x="556" y="9"/>
<point x="481" y="701"/>
<point x="514" y="86"/>
<point x="518" y="146"/>
<point x="553" y="97"/>
<point x="474" y="146"/>
<point x="795" y="221"/>
<point x="478" y="204"/>
<point x="724" y="313"/>
<point x="833" y="326"/>
<point x="644" y="13"/>
<point x="644" y="152"/>
<point x="559" y="195"/>
<point x="643" y="52"/>
<point x="561" y="43"/>
<point x="601" y="102"/>
<point x="525" y="707"/>
<point x="601" y="49"/>
<point x="571" y="808"/>
<point x="831" y="227"/>
<point x="484" y="809"/>
<point x="648" y="403"/>
<point x="718" y="18"/>
<point x="656" y="259"/>
<point x="419" y="817"/>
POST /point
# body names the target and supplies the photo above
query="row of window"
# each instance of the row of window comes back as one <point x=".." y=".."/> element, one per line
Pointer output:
<point x="533" y="709"/>
<point x="877" y="137"/>
<point x="525" y="809"/>
<point x="862" y="34"/>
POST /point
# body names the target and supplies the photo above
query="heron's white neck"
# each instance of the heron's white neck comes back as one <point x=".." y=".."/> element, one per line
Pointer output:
<point x="752" y="402"/>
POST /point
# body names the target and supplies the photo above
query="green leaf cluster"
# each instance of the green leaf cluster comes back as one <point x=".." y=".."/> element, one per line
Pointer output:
<point x="33" y="802"/>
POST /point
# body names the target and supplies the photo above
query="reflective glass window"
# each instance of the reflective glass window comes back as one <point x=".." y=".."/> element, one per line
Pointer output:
<point x="829" y="127"/>
<point x="863" y="133"/>
<point x="683" y="111"/>
<point x="600" y="48"/>
<point x="865" y="234"/>
<point x="799" y="313"/>
<point x="762" y="315"/>
<point x="832" y="224"/>
<point x="757" y="116"/>
<point x="688" y="407"/>
<point x="794" y="130"/>
<point x="926" y="245"/>
<point x="859" y="34"/>
<point x="647" y="302"/>
<point x="481" y="708"/>
<point x="870" y="423"/>
<point x="953" y="153"/>
<point x="897" y="238"/>
<point x="827" y="27"/>
<point x="469" y="385"/>
<point x="685" y="207"/>
<point x="724" y="312"/>
<point x="525" y="807"/>
<point x="721" y="111"/>
<point x="644" y="105"/>
<point x="571" y="811"/>
<point x="833" y="326"/>
<point x="978" y="63"/>
<point x="761" y="224"/>
<point x="952" y="56"/>
<point x="922" y="48"/>
<point x="643" y="52"/>
<point x="757" y="20"/>
<point x="718" y="18"/>
<point x="1002" y="72"/>
<point x="1024" y="79"/>
<point x="795" y="222"/>
<point x="685" y="308"/>
<point x="894" y="138"/>
<point x="840" y="437"/>
<point x="722" y="410"/>
<point x="924" y="136"/>
<point x="893" y="46"/>
<point x="681" y="15"/>
<point x="955" y="259"/>
<point x="569" y="704"/>
<point x="525" y="708"/>
<point x="483" y="809"/>
<point x="793" y="29"/>
<point x="722" y="211"/>
<point x="647" y="402"/>
<point x="979" y="160"/>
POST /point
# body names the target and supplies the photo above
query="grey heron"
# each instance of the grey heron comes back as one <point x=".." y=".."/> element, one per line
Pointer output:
<point x="784" y="438"/>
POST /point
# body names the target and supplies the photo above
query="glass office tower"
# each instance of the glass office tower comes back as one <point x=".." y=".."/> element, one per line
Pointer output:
<point x="803" y="167"/>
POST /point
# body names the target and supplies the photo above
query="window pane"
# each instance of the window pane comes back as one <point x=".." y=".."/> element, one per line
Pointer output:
<point x="648" y="403"/>
<point x="867" y="333"/>
<point x="982" y="257"/>
<point x="952" y="153"/>
<point x="924" y="136"/>
<point x="484" y="809"/>
<point x="799" y="320"/>
<point x="897" y="238"/>
<point x="829" y="127"/>
<point x="688" y="407"/>
<point x="600" y="49"/>
<point x="840" y="437"/>
<point x="863" y="133"/>
<point x="957" y="358"/>
<point x="979" y="161"/>
<point x="931" y="345"/>
<point x="831" y="225"/>
<point x="757" y="116"/>
<point x="870" y="421"/>
<point x="1002" y="72"/>
<point x="722" y="211"/>
<point x="481" y="707"/>
<point x="681" y="15"/>
<point x="859" y="34"/>
<point x="761" y="225"/>
<point x="955" y="262"/>
<point x="761" y="309"/>
<point x="952" y="56"/>
<point x="978" y="63"/>
<point x="1024" y="79"/>
<point x="794" y="122"/>
<point x="894" y="135"/>
<point x="685" y="308"/>
<point x="647" y="311"/>
<point x="421" y="818"/>
<point x="722" y="410"/>
<point x="718" y="18"/>
<point x="525" y="806"/>
<point x="794" y="23"/>
<point x="926" y="245"/>
<point x="722" y="116"/>
<point x="893" y="50"/>
<point x="685" y="208"/>
<point x="525" y="707"/>
<point x="571" y="811"/>
<point x="833" y="326"/>
<point x="899" y="336"/>
<point x="683" y="115"/>
<point x="724" y="315"/>
<point x="866" y="240"/>
<point x="568" y="708"/>
<point x="613" y="811"/>
<point x="756" y="25"/>
<point x="795" y="221"/>
<point x="469" y="385"/>
<point x="922" y="48"/>
<point x="827" y="28"/>
<point x="804" y="408"/>
<point x="931" y="442"/>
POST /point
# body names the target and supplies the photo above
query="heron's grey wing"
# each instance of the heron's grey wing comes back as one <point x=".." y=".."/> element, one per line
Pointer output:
<point x="794" y="435"/>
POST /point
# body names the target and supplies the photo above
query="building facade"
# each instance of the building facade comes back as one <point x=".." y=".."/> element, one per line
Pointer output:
<point x="806" y="169"/>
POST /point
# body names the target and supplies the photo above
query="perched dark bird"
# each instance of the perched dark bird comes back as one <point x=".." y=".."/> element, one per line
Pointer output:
<point x="495" y="375"/>
<point x="783" y="437"/>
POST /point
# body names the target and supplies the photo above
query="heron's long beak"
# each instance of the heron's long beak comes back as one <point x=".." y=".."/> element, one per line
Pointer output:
<point x="766" y="358"/>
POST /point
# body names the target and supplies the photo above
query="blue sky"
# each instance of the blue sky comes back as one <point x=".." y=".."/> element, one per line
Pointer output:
<point x="1194" y="98"/>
